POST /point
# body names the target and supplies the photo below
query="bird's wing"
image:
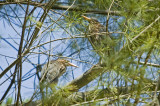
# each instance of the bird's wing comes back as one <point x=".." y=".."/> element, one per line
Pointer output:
<point x="50" y="71"/>
<point x="53" y="72"/>
<point x="52" y="76"/>
<point x="102" y="28"/>
<point x="43" y="72"/>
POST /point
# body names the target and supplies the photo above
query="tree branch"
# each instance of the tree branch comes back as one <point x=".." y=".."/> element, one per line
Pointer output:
<point x="61" y="7"/>
<point x="85" y="78"/>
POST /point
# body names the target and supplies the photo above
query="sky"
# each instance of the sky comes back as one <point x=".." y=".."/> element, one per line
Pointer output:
<point x="9" y="44"/>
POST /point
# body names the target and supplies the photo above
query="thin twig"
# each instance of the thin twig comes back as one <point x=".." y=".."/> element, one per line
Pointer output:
<point x="145" y="29"/>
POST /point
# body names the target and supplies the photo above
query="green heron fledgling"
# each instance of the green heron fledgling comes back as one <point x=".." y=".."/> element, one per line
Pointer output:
<point x="98" y="38"/>
<point x="54" y="69"/>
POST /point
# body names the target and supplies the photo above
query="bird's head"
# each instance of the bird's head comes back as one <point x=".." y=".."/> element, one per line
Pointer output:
<point x="91" y="20"/>
<point x="66" y="62"/>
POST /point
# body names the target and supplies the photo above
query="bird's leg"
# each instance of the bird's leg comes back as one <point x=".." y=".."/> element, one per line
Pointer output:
<point x="42" y="92"/>
<point x="52" y="86"/>
<point x="46" y="91"/>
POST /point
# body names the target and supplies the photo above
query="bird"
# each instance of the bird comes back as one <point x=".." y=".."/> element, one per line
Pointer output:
<point x="50" y="74"/>
<point x="98" y="37"/>
<point x="54" y="69"/>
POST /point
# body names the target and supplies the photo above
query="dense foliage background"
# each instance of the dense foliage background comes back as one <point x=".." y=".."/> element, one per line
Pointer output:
<point x="34" y="32"/>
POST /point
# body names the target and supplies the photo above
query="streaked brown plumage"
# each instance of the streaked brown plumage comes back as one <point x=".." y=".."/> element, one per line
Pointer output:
<point x="54" y="69"/>
<point x="98" y="37"/>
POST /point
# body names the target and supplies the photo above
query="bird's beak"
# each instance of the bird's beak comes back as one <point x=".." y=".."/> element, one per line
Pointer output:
<point x="71" y="64"/>
<point x="86" y="18"/>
